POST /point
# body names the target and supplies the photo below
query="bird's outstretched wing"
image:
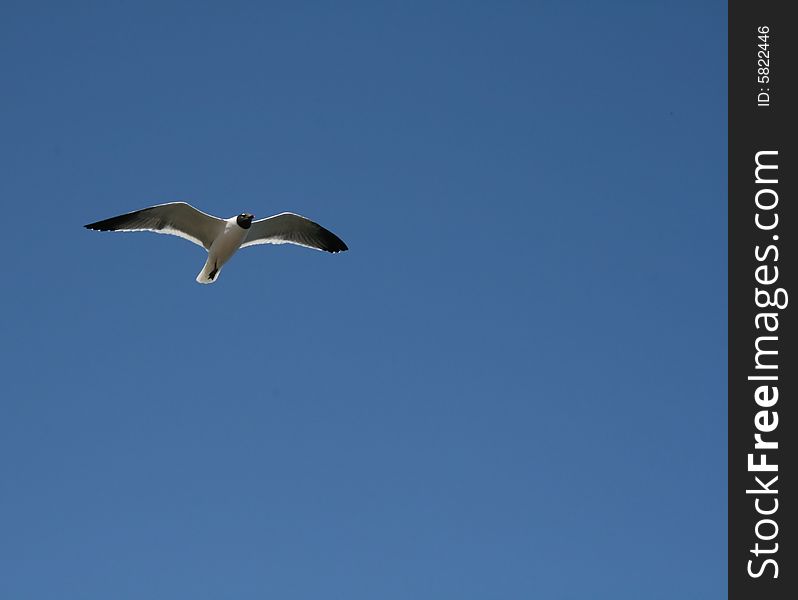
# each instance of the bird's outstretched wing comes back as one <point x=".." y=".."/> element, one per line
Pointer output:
<point x="174" y="218"/>
<point x="288" y="228"/>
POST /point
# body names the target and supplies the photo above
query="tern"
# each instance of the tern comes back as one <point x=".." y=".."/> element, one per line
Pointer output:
<point x="223" y="237"/>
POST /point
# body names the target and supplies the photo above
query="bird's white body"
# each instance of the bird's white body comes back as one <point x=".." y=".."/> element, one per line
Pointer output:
<point x="222" y="250"/>
<point x="223" y="237"/>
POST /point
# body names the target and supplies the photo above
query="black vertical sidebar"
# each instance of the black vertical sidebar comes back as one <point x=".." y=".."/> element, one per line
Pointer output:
<point x="763" y="370"/>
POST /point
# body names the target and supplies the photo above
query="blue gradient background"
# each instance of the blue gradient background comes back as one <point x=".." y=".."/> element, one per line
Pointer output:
<point x="512" y="386"/>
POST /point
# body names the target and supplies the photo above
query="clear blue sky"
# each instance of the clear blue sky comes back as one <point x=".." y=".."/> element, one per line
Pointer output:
<point x="512" y="386"/>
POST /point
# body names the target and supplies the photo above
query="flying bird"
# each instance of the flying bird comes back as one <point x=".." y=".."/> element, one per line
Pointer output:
<point x="222" y="237"/>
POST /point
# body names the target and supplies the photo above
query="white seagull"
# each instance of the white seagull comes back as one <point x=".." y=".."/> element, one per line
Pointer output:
<point x="222" y="237"/>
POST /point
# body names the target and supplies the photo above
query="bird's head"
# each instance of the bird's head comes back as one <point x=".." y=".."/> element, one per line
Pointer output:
<point x="244" y="220"/>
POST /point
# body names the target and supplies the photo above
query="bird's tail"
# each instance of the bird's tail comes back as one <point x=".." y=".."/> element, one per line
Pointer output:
<point x="210" y="272"/>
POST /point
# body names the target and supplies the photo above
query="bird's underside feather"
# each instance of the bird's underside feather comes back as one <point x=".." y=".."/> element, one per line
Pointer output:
<point x="289" y="228"/>
<point x="174" y="218"/>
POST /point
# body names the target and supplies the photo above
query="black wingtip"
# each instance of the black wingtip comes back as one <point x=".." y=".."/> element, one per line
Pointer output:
<point x="98" y="226"/>
<point x="332" y="243"/>
<point x="116" y="223"/>
<point x="336" y="245"/>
